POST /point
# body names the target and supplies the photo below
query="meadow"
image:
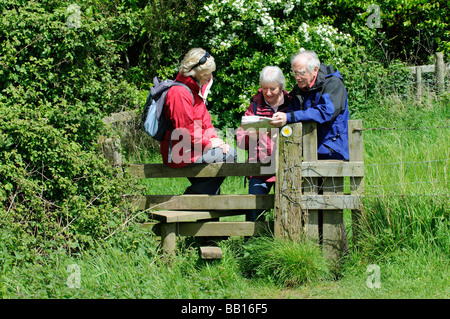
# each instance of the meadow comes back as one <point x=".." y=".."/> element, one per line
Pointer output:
<point x="404" y="233"/>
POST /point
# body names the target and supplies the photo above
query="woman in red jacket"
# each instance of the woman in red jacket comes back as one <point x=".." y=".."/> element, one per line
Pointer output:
<point x="271" y="98"/>
<point x="192" y="138"/>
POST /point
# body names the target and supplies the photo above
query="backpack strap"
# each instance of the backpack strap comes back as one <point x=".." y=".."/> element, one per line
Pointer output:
<point x="182" y="84"/>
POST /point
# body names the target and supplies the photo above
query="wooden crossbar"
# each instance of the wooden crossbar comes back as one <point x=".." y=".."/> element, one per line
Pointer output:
<point x="242" y="202"/>
<point x="309" y="169"/>
<point x="212" y="229"/>
<point x="160" y="170"/>
<point x="204" y="202"/>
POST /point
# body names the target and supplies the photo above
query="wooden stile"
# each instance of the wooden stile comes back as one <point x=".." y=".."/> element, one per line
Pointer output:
<point x="308" y="196"/>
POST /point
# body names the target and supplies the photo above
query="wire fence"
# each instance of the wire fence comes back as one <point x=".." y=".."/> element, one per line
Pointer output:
<point x="419" y="178"/>
<point x="427" y="178"/>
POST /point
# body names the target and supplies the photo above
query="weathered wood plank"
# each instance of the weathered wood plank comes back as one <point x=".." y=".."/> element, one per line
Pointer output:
<point x="188" y="216"/>
<point x="159" y="170"/>
<point x="440" y="72"/>
<point x="355" y="141"/>
<point x="211" y="252"/>
<point x="330" y="202"/>
<point x="309" y="139"/>
<point x="356" y="183"/>
<point x="325" y="168"/>
<point x="111" y="150"/>
<point x="203" y="202"/>
<point x="168" y="238"/>
<point x="309" y="169"/>
<point x="288" y="215"/>
<point x="333" y="219"/>
<point x="244" y="202"/>
<point x="208" y="229"/>
<point x="427" y="68"/>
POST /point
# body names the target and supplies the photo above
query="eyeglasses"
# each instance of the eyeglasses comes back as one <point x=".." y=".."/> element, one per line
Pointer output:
<point x="299" y="73"/>
<point x="201" y="61"/>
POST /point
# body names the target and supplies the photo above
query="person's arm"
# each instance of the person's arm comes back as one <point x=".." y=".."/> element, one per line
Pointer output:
<point x="331" y="103"/>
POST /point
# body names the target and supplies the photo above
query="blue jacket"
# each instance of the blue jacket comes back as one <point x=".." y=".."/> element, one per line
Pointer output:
<point x="326" y="104"/>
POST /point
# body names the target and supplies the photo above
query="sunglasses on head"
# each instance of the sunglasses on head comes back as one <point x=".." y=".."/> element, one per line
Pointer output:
<point x="201" y="61"/>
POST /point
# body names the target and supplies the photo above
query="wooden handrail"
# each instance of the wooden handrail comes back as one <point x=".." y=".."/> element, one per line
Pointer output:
<point x="309" y="169"/>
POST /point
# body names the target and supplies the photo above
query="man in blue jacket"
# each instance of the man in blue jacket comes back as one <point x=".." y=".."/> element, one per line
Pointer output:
<point x="319" y="96"/>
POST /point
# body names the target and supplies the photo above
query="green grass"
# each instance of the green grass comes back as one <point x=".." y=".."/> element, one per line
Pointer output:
<point x="405" y="231"/>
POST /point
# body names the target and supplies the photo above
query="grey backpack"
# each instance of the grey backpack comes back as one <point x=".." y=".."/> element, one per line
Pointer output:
<point x="153" y="121"/>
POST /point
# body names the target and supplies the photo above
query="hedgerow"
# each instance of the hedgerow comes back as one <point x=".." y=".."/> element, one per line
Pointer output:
<point x="56" y="84"/>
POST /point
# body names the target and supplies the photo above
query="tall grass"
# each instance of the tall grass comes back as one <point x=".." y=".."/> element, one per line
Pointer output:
<point x="284" y="262"/>
<point x="406" y="179"/>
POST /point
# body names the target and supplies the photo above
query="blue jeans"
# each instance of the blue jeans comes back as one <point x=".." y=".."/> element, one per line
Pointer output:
<point x="257" y="186"/>
<point x="210" y="185"/>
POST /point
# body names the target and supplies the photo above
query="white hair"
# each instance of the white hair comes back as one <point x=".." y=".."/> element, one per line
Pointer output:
<point x="309" y="57"/>
<point x="272" y="74"/>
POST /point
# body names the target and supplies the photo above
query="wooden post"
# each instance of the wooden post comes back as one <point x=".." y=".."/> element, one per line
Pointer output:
<point x="355" y="140"/>
<point x="111" y="150"/>
<point x="419" y="83"/>
<point x="333" y="221"/>
<point x="310" y="184"/>
<point x="287" y="208"/>
<point x="440" y="70"/>
<point x="168" y="238"/>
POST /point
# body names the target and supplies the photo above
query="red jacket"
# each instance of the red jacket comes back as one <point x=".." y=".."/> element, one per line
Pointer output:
<point x="191" y="124"/>
<point x="264" y="146"/>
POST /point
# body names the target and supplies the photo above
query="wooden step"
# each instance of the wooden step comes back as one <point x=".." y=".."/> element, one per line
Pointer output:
<point x="211" y="229"/>
<point x="211" y="252"/>
<point x="176" y="216"/>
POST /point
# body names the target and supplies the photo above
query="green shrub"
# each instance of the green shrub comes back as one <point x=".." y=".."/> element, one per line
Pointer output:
<point x="284" y="262"/>
<point x="56" y="84"/>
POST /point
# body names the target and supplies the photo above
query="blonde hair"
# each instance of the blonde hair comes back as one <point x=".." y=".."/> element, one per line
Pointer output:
<point x="192" y="58"/>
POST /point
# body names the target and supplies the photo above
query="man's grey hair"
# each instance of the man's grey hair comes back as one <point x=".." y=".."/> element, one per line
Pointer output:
<point x="272" y="74"/>
<point x="309" y="57"/>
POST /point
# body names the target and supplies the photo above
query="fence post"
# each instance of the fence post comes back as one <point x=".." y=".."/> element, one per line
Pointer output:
<point x="440" y="70"/>
<point x="111" y="150"/>
<point x="310" y="185"/>
<point x="355" y="141"/>
<point x="419" y="83"/>
<point x="288" y="191"/>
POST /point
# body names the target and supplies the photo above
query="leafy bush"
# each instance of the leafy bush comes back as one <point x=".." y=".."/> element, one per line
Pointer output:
<point x="56" y="84"/>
